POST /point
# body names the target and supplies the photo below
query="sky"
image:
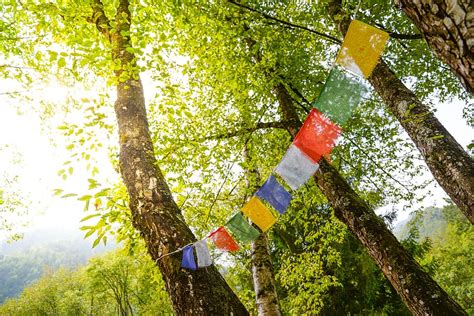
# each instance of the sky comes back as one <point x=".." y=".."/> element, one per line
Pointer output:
<point x="42" y="152"/>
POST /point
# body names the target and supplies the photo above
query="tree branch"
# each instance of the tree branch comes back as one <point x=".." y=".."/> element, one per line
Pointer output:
<point x="399" y="36"/>
<point x="376" y="164"/>
<point x="405" y="36"/>
<point x="100" y="19"/>
<point x="292" y="25"/>
<point x="260" y="125"/>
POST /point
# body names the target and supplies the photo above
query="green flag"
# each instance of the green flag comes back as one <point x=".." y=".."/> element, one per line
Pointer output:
<point x="241" y="229"/>
<point x="341" y="94"/>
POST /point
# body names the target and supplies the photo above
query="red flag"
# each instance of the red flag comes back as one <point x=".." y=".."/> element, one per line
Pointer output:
<point x="223" y="240"/>
<point x="317" y="136"/>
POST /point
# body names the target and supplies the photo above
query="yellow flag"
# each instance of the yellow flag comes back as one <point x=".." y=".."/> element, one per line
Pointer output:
<point x="361" y="48"/>
<point x="259" y="214"/>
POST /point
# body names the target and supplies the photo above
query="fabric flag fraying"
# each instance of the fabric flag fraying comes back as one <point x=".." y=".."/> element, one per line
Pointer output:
<point x="296" y="168"/>
<point x="275" y="194"/>
<point x="188" y="258"/>
<point x="259" y="214"/>
<point x="202" y="253"/>
<point x="223" y="240"/>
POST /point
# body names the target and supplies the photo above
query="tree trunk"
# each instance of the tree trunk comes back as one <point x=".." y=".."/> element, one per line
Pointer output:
<point x="421" y="294"/>
<point x="448" y="27"/>
<point x="154" y="212"/>
<point x="264" y="278"/>
<point x="450" y="165"/>
<point x="262" y="268"/>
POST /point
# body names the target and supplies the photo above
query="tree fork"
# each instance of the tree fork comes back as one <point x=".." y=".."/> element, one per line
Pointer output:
<point x="421" y="294"/>
<point x="154" y="212"/>
<point x="448" y="27"/>
<point x="449" y="163"/>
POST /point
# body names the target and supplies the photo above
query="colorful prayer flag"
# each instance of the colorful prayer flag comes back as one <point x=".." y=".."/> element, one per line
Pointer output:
<point x="295" y="167"/>
<point x="202" y="253"/>
<point x="188" y="258"/>
<point x="223" y="240"/>
<point x="259" y="214"/>
<point x="241" y="229"/>
<point x="275" y="194"/>
<point x="361" y="49"/>
<point x="341" y="94"/>
<point x="317" y="136"/>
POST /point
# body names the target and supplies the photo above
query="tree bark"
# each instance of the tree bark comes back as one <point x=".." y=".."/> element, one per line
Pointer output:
<point x="263" y="276"/>
<point x="449" y="163"/>
<point x="448" y="27"/>
<point x="421" y="294"/>
<point x="154" y="212"/>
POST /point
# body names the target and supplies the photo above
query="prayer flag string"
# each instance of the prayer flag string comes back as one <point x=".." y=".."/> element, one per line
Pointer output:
<point x="342" y="92"/>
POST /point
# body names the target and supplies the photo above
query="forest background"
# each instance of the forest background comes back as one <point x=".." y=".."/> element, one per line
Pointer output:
<point x="208" y="100"/>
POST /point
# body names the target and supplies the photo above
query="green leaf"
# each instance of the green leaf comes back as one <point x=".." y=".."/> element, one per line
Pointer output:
<point x="96" y="242"/>
<point x="85" y="197"/>
<point x="68" y="195"/>
<point x="90" y="216"/>
<point x="61" y="62"/>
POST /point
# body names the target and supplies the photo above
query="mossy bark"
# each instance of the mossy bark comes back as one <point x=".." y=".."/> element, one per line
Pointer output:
<point x="155" y="214"/>
<point x="448" y="27"/>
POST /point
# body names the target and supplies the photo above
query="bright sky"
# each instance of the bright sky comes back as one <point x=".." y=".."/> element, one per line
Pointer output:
<point x="42" y="152"/>
<point x="41" y="160"/>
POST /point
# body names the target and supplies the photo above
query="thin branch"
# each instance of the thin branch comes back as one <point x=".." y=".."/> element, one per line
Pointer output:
<point x="15" y="67"/>
<point x="18" y="92"/>
<point x="405" y="36"/>
<point x="230" y="168"/>
<point x="292" y="25"/>
<point x="16" y="38"/>
<point x="399" y="36"/>
<point x="259" y="125"/>
<point x="363" y="175"/>
<point x="376" y="164"/>
<point x="300" y="95"/>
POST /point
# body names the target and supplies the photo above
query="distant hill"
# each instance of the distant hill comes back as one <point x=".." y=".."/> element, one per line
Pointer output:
<point x="24" y="261"/>
<point x="430" y="222"/>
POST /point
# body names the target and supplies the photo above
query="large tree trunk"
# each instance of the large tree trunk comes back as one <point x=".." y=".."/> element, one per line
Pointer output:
<point x="451" y="166"/>
<point x="421" y="294"/>
<point x="263" y="275"/>
<point x="154" y="212"/>
<point x="448" y="27"/>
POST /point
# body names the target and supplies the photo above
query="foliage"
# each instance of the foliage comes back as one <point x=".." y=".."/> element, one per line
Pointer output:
<point x="115" y="283"/>
<point x="449" y="256"/>
<point x="210" y="69"/>
<point x="23" y="262"/>
<point x="14" y="202"/>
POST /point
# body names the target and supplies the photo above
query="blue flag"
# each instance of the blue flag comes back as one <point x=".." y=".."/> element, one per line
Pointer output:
<point x="188" y="258"/>
<point x="275" y="194"/>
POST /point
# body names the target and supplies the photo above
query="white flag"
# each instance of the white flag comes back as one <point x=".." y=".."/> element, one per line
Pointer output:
<point x="202" y="252"/>
<point x="295" y="167"/>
